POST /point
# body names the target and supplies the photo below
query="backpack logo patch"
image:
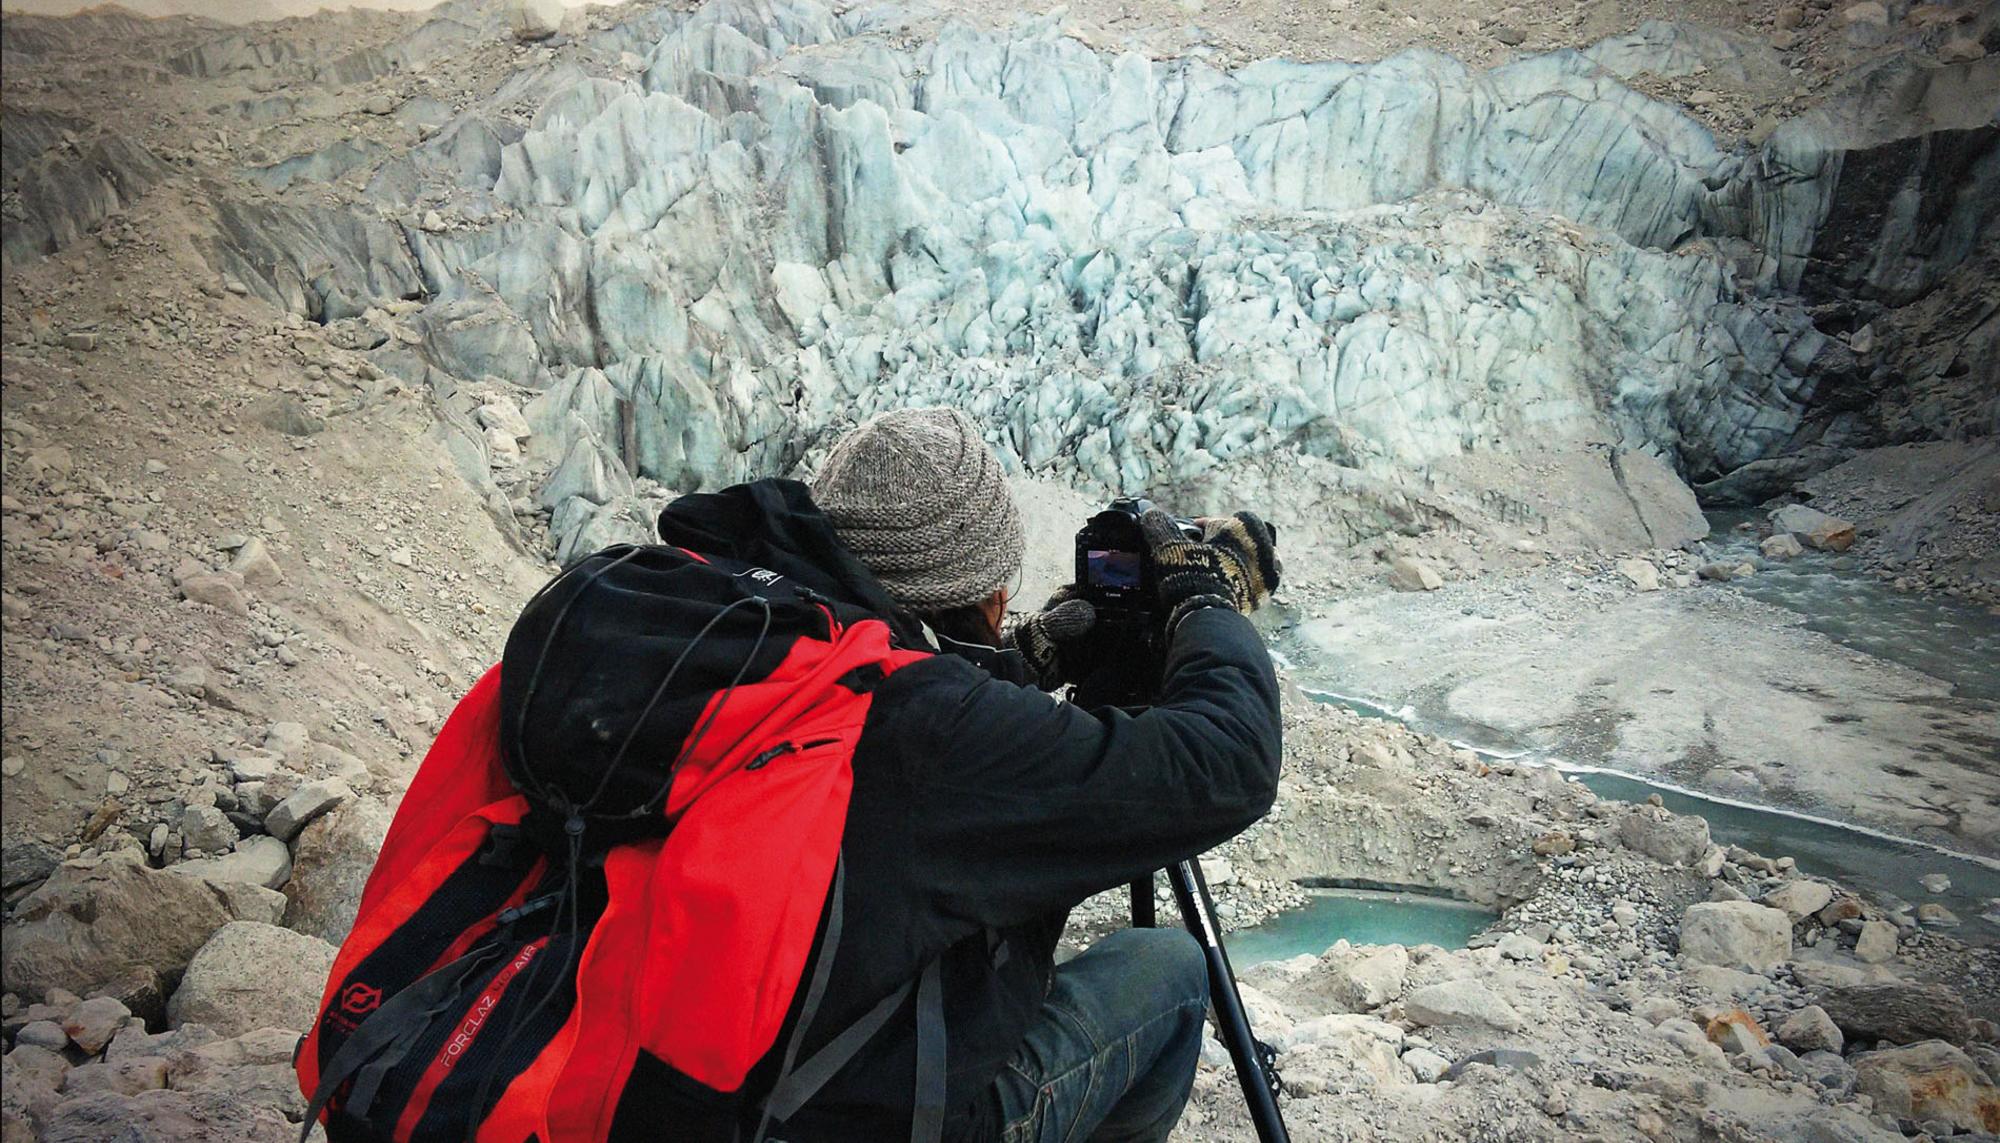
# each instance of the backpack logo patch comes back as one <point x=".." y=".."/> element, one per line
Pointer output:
<point x="359" y="999"/>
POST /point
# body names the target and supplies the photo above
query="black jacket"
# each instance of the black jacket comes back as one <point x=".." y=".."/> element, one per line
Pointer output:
<point x="983" y="810"/>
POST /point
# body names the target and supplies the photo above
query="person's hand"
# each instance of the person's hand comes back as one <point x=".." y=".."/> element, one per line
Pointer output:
<point x="1066" y="617"/>
<point x="1234" y="564"/>
<point x="1254" y="544"/>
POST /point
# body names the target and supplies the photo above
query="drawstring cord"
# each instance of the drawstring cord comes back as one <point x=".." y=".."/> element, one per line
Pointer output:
<point x="574" y="822"/>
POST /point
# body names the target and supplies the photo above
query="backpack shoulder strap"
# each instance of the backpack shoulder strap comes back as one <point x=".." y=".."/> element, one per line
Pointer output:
<point x="797" y="1085"/>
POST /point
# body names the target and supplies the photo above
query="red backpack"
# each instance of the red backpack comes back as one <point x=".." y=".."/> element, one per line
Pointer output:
<point x="594" y="913"/>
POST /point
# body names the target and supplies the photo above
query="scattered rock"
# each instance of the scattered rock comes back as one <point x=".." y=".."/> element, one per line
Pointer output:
<point x="1510" y="1059"/>
<point x="1683" y="1033"/>
<point x="254" y="563"/>
<point x="44" y="1034"/>
<point x="1781" y="546"/>
<point x="1673" y="839"/>
<point x="251" y="976"/>
<point x="1735" y="934"/>
<point x="289" y="415"/>
<point x="1961" y="49"/>
<point x="92" y="1023"/>
<point x="1427" y="1066"/>
<point x="256" y="1066"/>
<point x="1932" y="915"/>
<point x="1408" y="574"/>
<point x="1810" y="1029"/>
<point x="1642" y="573"/>
<point x="206" y="1117"/>
<point x="1811" y="527"/>
<point x="1877" y="942"/>
<point x="303" y="805"/>
<point x="1935" y="882"/>
<point x="120" y="1077"/>
<point x="220" y="590"/>
<point x="1370" y="980"/>
<point x="207" y="829"/>
<point x="1216" y="870"/>
<point x="258" y="860"/>
<point x="1799" y="899"/>
<point x="1736" y="1032"/>
<point x="532" y="20"/>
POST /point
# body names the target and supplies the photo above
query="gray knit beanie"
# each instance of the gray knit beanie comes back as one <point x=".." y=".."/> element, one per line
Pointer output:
<point x="919" y="497"/>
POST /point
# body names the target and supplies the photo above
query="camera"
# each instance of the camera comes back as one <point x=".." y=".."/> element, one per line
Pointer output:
<point x="1121" y="660"/>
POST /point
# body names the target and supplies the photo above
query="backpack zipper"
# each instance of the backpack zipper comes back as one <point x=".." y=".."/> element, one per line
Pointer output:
<point x="784" y="748"/>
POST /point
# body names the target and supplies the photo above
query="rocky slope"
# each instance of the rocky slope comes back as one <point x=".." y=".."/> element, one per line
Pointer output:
<point x="325" y="339"/>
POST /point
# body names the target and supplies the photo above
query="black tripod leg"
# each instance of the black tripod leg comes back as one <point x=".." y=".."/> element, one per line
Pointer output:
<point x="1143" y="914"/>
<point x="1259" y="1088"/>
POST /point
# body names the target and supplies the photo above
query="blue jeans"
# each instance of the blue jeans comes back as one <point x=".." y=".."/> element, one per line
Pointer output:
<point x="1112" y="1056"/>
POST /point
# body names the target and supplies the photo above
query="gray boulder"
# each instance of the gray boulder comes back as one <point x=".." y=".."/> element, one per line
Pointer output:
<point x="258" y="860"/>
<point x="255" y="1066"/>
<point x="203" y="1117"/>
<point x="330" y="867"/>
<point x="303" y="805"/>
<point x="1929" y="1081"/>
<point x="1409" y="574"/>
<point x="251" y="976"/>
<point x="1735" y="934"/>
<point x="1798" y="899"/>
<point x="1899" y="1012"/>
<point x="87" y="925"/>
<point x="1810" y="1029"/>
<point x="1876" y="942"/>
<point x="1813" y="528"/>
<point x="1461" y="1002"/>
<point x="1672" y="839"/>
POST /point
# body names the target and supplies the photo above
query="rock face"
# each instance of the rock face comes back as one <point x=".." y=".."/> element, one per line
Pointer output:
<point x="89" y="925"/>
<point x="1930" y="1081"/>
<point x="1900" y="1013"/>
<point x="1735" y="934"/>
<point x="251" y="976"/>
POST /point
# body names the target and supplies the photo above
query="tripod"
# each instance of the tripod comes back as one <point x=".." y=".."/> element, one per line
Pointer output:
<point x="1127" y="681"/>
<point x="1255" y="1061"/>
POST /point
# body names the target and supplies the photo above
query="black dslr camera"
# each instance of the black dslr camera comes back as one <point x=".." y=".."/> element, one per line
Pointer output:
<point x="1121" y="660"/>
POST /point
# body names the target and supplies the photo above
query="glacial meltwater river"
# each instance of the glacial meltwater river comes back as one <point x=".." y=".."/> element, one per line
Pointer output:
<point x="1948" y="640"/>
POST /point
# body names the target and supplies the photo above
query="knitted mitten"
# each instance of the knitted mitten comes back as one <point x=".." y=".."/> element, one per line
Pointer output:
<point x="1039" y="637"/>
<point x="1234" y="565"/>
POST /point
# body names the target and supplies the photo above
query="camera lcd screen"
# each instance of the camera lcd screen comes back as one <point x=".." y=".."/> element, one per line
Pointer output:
<point x="1113" y="569"/>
